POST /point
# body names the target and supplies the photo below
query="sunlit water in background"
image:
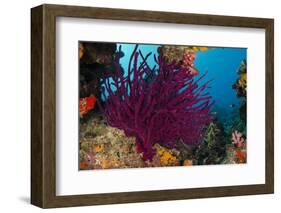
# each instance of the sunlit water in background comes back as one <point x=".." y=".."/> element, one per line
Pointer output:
<point x="220" y="63"/>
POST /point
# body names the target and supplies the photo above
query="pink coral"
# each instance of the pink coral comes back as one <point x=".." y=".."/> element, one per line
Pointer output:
<point x="188" y="58"/>
<point x="188" y="61"/>
<point x="237" y="139"/>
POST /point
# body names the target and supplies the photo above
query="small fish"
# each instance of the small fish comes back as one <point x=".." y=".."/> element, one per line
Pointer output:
<point x="232" y="105"/>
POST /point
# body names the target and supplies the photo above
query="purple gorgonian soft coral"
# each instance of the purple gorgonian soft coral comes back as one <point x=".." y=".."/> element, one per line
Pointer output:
<point x="163" y="105"/>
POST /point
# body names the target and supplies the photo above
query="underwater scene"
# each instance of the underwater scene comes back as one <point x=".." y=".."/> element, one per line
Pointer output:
<point x="153" y="105"/>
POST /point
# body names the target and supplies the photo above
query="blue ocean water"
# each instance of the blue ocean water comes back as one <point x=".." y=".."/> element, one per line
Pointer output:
<point x="221" y="63"/>
<point x="145" y="49"/>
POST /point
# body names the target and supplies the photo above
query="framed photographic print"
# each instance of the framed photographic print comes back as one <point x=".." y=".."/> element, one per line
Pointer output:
<point x="136" y="106"/>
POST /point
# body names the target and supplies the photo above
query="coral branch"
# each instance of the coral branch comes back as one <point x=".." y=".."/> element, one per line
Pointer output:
<point x="171" y="107"/>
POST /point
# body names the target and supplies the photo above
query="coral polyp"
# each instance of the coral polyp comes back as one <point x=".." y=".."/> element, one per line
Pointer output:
<point x="171" y="107"/>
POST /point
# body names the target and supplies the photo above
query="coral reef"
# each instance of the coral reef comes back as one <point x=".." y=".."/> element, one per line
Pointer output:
<point x="236" y="123"/>
<point x="95" y="52"/>
<point x="237" y="153"/>
<point x="104" y="147"/>
<point x="184" y="55"/>
<point x="211" y="134"/>
<point x="96" y="62"/>
<point x="135" y="106"/>
<point x="86" y="104"/>
<point x="241" y="84"/>
<point x="176" y="52"/>
<point x="187" y="163"/>
<point x="237" y="139"/>
<point x="188" y="62"/>
<point x="213" y="150"/>
<point x="241" y="89"/>
<point x="164" y="157"/>
<point x="156" y="116"/>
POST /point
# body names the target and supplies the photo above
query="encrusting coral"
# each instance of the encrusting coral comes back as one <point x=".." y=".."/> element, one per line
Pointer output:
<point x="184" y="55"/>
<point x="165" y="157"/>
<point x="86" y="104"/>
<point x="104" y="147"/>
<point x="241" y="84"/>
<point x="135" y="106"/>
<point x="176" y="52"/>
